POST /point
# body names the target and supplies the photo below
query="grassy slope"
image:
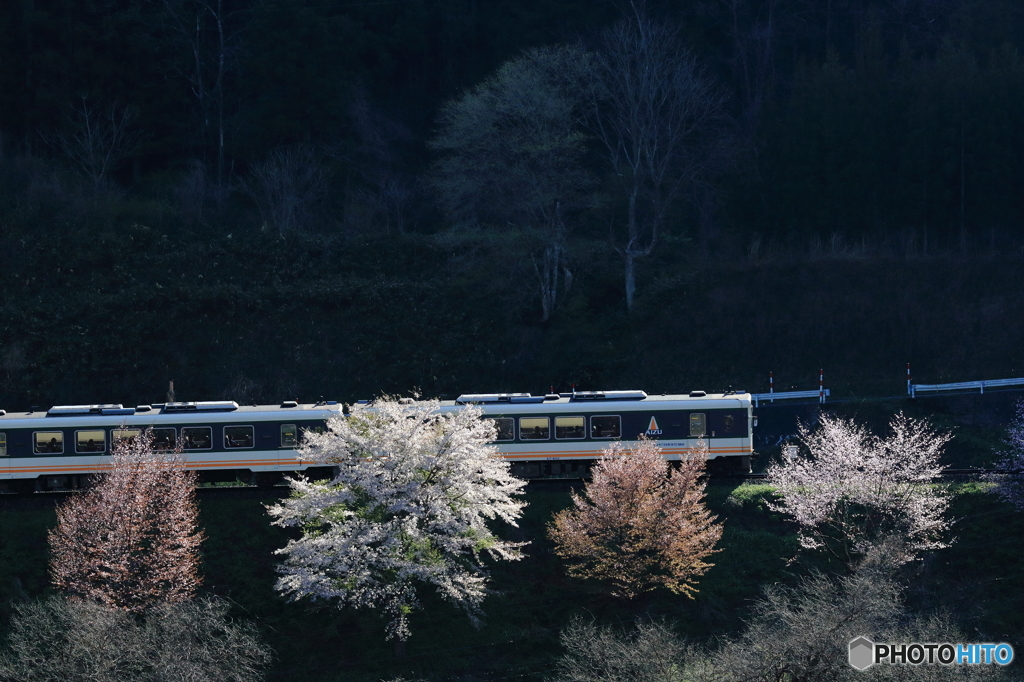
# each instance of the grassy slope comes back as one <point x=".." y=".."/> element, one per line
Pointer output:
<point x="258" y="319"/>
<point x="976" y="577"/>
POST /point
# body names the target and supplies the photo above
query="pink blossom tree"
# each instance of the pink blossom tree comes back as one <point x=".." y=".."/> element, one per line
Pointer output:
<point x="640" y="524"/>
<point x="131" y="541"/>
<point x="408" y="507"/>
<point x="850" y="490"/>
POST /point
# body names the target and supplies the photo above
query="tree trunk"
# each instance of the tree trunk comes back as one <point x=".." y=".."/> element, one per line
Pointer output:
<point x="30" y="123"/>
<point x="220" y="96"/>
<point x="630" y="278"/>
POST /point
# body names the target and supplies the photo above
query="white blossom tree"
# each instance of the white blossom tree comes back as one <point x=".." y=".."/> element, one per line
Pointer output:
<point x="408" y="506"/>
<point x="1011" y="485"/>
<point x="849" y="489"/>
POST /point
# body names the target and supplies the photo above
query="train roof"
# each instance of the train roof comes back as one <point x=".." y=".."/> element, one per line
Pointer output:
<point x="221" y="409"/>
<point x="599" y="400"/>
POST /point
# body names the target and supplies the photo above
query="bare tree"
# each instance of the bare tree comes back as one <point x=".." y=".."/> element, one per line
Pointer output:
<point x="641" y="524"/>
<point x="96" y="138"/>
<point x="61" y="640"/>
<point x="201" y="26"/>
<point x="803" y="633"/>
<point x="383" y="191"/>
<point x="851" y="490"/>
<point x="651" y="652"/>
<point x="289" y="188"/>
<point x="753" y="28"/>
<point x="191" y="194"/>
<point x="654" y="111"/>
<point x="511" y="152"/>
<point x="799" y="634"/>
<point x="130" y="541"/>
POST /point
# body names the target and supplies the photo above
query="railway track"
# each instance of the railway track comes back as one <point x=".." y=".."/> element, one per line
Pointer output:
<point x="281" y="490"/>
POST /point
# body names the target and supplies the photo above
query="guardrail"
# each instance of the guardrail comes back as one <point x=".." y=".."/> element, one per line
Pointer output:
<point x="914" y="389"/>
<point x="820" y="394"/>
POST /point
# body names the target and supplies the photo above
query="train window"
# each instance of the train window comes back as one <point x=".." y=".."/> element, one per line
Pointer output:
<point x="698" y="424"/>
<point x="118" y="435"/>
<point x="164" y="439"/>
<point x="49" y="442"/>
<point x="570" y="427"/>
<point x="728" y="423"/>
<point x="91" y="441"/>
<point x="506" y="428"/>
<point x="606" y="426"/>
<point x="3" y="444"/>
<point x="238" y="436"/>
<point x="289" y="436"/>
<point x="197" y="437"/>
<point x="534" y="428"/>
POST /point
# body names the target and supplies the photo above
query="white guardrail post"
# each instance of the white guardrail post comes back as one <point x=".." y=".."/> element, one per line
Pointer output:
<point x="771" y="396"/>
<point x="821" y="394"/>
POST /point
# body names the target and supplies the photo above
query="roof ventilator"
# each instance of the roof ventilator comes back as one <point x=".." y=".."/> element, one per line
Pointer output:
<point x="88" y="410"/>
<point x="467" y="398"/>
<point x="202" y="406"/>
<point x="607" y="395"/>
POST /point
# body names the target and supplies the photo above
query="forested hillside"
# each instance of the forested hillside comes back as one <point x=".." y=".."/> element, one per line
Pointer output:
<point x="262" y="199"/>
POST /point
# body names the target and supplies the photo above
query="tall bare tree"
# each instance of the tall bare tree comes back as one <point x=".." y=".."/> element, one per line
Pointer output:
<point x="201" y="26"/>
<point x="655" y="112"/>
<point x="131" y="541"/>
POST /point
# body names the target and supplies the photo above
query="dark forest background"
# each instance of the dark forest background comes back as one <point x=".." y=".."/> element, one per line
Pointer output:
<point x="247" y="197"/>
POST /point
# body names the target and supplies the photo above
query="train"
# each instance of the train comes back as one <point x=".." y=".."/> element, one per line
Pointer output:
<point x="556" y="435"/>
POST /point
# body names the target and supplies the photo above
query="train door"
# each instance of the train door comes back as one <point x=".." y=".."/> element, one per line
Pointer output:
<point x="286" y="439"/>
<point x="5" y="460"/>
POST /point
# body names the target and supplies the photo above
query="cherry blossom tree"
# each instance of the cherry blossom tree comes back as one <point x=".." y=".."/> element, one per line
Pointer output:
<point x="408" y="506"/>
<point x="1010" y="486"/>
<point x="640" y="523"/>
<point x="849" y="490"/>
<point x="131" y="541"/>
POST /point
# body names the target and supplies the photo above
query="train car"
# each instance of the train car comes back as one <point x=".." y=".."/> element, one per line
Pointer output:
<point x="221" y="440"/>
<point x="549" y="436"/>
<point x="559" y="435"/>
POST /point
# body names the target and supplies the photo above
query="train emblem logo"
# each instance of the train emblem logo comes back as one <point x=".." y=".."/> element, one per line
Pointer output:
<point x="652" y="428"/>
